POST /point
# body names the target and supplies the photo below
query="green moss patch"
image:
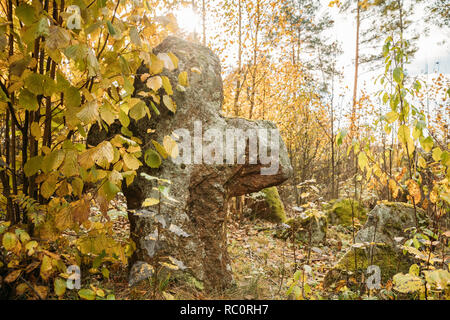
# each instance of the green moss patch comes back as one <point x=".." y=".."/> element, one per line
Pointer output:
<point x="340" y="212"/>
<point x="386" y="258"/>
<point x="266" y="205"/>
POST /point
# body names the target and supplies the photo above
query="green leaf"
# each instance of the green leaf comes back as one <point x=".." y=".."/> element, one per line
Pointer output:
<point x="32" y="166"/>
<point x="72" y="98"/>
<point x="438" y="279"/>
<point x="134" y="36"/>
<point x="398" y="75"/>
<point x="87" y="294"/>
<point x="437" y="152"/>
<point x="445" y="158"/>
<point x="23" y="235"/>
<point x="152" y="158"/>
<point x="427" y="144"/>
<point x="53" y="160"/>
<point x="110" y="190"/>
<point x="25" y="13"/>
<point x="30" y="246"/>
<point x="101" y="3"/>
<point x="35" y="83"/>
<point x="105" y="272"/>
<point x="391" y="116"/>
<point x="385" y="98"/>
<point x="154" y="108"/>
<point x="417" y="85"/>
<point x="49" y="185"/>
<point x="43" y="27"/>
<point x="111" y="29"/>
<point x="362" y="160"/>
<point x="138" y="111"/>
<point x="60" y="286"/>
<point x="28" y="100"/>
<point x="9" y="241"/>
<point x="123" y="118"/>
<point x="414" y="270"/>
<point x="340" y="136"/>
<point x="106" y="114"/>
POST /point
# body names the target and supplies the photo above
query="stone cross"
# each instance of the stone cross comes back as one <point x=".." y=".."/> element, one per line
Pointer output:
<point x="192" y="231"/>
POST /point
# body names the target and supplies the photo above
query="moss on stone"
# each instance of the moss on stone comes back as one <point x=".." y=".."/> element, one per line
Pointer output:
<point x="340" y="212"/>
<point x="301" y="225"/>
<point x="277" y="213"/>
<point x="384" y="223"/>
<point x="386" y="258"/>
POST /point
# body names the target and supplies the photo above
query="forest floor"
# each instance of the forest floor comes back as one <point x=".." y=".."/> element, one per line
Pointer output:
<point x="263" y="265"/>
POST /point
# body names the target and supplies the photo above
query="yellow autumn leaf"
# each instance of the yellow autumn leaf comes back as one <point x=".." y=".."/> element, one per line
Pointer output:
<point x="169" y="266"/>
<point x="394" y="188"/>
<point x="414" y="190"/>
<point x="161" y="150"/>
<point x="156" y="65"/>
<point x="404" y="136"/>
<point x="89" y="113"/>
<point x="436" y="154"/>
<point x="36" y="130"/>
<point x="9" y="241"/>
<point x="183" y="79"/>
<point x="406" y="283"/>
<point x="167" y="86"/>
<point x="154" y="83"/>
<point x="196" y="70"/>
<point x="131" y="162"/>
<point x="174" y="59"/>
<point x="46" y="267"/>
<point x="150" y="202"/>
<point x="169" y="103"/>
<point x="103" y="154"/>
<point x="170" y="146"/>
<point x="167" y="61"/>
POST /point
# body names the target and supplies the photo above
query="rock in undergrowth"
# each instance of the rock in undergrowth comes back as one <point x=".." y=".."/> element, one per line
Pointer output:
<point x="340" y="212"/>
<point x="265" y="204"/>
<point x="386" y="224"/>
<point x="311" y="224"/>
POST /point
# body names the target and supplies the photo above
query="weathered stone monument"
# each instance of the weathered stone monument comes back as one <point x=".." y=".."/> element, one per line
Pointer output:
<point x="193" y="230"/>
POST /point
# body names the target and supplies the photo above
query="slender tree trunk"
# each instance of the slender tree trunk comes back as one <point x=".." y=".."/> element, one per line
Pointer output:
<point x="238" y="80"/>
<point x="355" y="85"/>
<point x="255" y="60"/>
<point x="204" y="21"/>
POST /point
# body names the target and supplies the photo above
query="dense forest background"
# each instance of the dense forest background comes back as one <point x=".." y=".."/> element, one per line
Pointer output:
<point x="69" y="65"/>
